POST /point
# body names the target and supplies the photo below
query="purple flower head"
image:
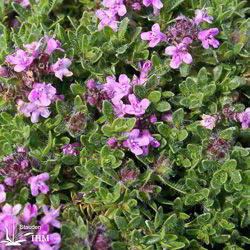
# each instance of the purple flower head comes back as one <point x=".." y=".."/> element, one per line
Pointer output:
<point x="69" y="149"/>
<point x="146" y="66"/>
<point x="152" y="119"/>
<point x="3" y="72"/>
<point x="21" y="59"/>
<point x="11" y="210"/>
<point x="134" y="142"/>
<point x="157" y="5"/>
<point x="115" y="6"/>
<point x="167" y="117"/>
<point x="136" y="6"/>
<point x="91" y="84"/>
<point x="33" y="110"/>
<point x="60" y="68"/>
<point x="209" y="121"/>
<point x="42" y="94"/>
<point x="244" y="118"/>
<point x="29" y="211"/>
<point x="50" y="217"/>
<point x="106" y="20"/>
<point x="8" y="222"/>
<point x="112" y="142"/>
<point x="207" y="38"/>
<point x="119" y="107"/>
<point x="2" y="193"/>
<point x="9" y="181"/>
<point x="123" y="88"/>
<point x="202" y="16"/>
<point x="22" y="149"/>
<point x="179" y="53"/>
<point x="154" y="36"/>
<point x="136" y="108"/>
<point x="144" y="72"/>
<point x="52" y="45"/>
<point x="152" y="141"/>
<point x="37" y="183"/>
<point x="33" y="48"/>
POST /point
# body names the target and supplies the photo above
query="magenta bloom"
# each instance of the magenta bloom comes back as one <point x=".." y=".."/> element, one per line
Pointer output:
<point x="207" y="38"/>
<point x="209" y="121"/>
<point x="115" y="6"/>
<point x="123" y="88"/>
<point x="33" y="48"/>
<point x="119" y="107"/>
<point x="9" y="181"/>
<point x="202" y="16"/>
<point x="136" y="108"/>
<point x="3" y="72"/>
<point x="134" y="142"/>
<point x="69" y="149"/>
<point x="37" y="183"/>
<point x="29" y="211"/>
<point x="112" y="142"/>
<point x="60" y="68"/>
<point x="152" y="119"/>
<point x="106" y="20"/>
<point x="42" y="94"/>
<point x="244" y="118"/>
<point x="154" y="36"/>
<point x="157" y="5"/>
<point x="144" y="71"/>
<point x="2" y="193"/>
<point x="52" y="45"/>
<point x="11" y="210"/>
<point x="33" y="110"/>
<point x="136" y="6"/>
<point x="21" y="59"/>
<point x="152" y="141"/>
<point x="50" y="217"/>
<point x="179" y="53"/>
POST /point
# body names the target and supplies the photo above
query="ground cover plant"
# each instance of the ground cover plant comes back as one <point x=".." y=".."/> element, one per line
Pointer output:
<point x="124" y="124"/>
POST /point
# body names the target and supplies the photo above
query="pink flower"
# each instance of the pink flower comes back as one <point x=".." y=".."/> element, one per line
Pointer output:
<point x="69" y="149"/>
<point x="50" y="217"/>
<point x="60" y="68"/>
<point x="42" y="94"/>
<point x="157" y="5"/>
<point x="136" y="108"/>
<point x="33" y="48"/>
<point x="106" y="20"/>
<point x="244" y="118"/>
<point x="115" y="6"/>
<point x="119" y="107"/>
<point x="52" y="45"/>
<point x="37" y="183"/>
<point x="21" y="59"/>
<point x="209" y="121"/>
<point x="2" y="193"/>
<point x="202" y="16"/>
<point x="134" y="142"/>
<point x="3" y="72"/>
<point x="179" y="53"/>
<point x="33" y="110"/>
<point x="29" y="212"/>
<point x="136" y="6"/>
<point x="112" y="142"/>
<point x="207" y="38"/>
<point x="152" y="141"/>
<point x="154" y="36"/>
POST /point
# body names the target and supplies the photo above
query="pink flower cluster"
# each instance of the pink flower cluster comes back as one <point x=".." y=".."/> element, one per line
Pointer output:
<point x="11" y="218"/>
<point x="22" y="60"/>
<point x="179" y="50"/>
<point x="108" y="16"/>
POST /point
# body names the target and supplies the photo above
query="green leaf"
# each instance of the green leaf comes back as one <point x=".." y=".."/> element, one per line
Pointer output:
<point x="209" y="90"/>
<point x="236" y="82"/>
<point x="217" y="71"/>
<point x="236" y="176"/>
<point x="77" y="89"/>
<point x="202" y="76"/>
<point x="7" y="117"/>
<point x="229" y="165"/>
<point x="170" y="5"/>
<point x="55" y="200"/>
<point x="123" y="28"/>
<point x="107" y="110"/>
<point x="121" y="223"/>
<point x="227" y="134"/>
<point x="155" y="96"/>
<point x="182" y="135"/>
<point x="24" y="195"/>
<point x="69" y="160"/>
<point x="226" y="225"/>
<point x="61" y="108"/>
<point x="163" y="106"/>
<point x="178" y="116"/>
<point x="156" y="60"/>
<point x="158" y="218"/>
<point x="168" y="94"/>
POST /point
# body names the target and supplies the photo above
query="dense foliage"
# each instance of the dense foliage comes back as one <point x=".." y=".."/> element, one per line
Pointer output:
<point x="124" y="124"/>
